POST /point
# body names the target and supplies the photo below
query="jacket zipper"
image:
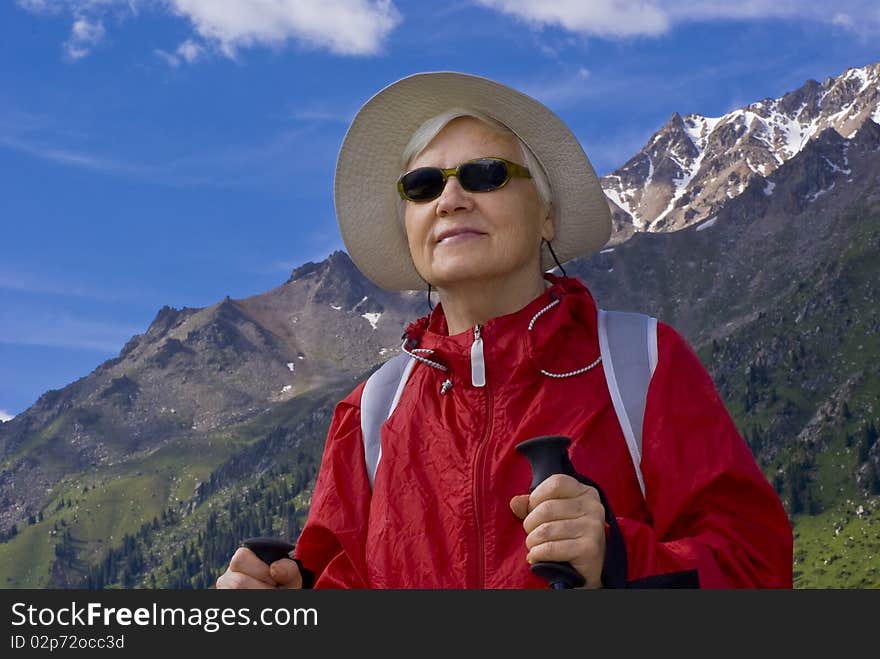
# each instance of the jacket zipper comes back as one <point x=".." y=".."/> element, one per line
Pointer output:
<point x="478" y="365"/>
<point x="478" y="368"/>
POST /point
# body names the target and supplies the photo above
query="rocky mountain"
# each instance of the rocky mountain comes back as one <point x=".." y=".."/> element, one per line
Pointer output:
<point x="694" y="165"/>
<point x="197" y="370"/>
<point x="754" y="248"/>
<point x="209" y="426"/>
<point x="793" y="255"/>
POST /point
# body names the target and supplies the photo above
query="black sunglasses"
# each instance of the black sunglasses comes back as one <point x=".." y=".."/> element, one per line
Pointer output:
<point x="480" y="175"/>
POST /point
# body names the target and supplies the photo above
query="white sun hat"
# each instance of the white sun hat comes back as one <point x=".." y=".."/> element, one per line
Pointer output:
<point x="365" y="185"/>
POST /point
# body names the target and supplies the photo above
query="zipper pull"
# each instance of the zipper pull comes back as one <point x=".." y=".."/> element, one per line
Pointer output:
<point x="478" y="366"/>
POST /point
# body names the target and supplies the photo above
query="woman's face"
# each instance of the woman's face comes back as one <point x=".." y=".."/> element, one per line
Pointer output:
<point x="470" y="236"/>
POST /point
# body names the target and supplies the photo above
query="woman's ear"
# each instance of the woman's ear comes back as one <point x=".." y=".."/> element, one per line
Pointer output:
<point x="548" y="226"/>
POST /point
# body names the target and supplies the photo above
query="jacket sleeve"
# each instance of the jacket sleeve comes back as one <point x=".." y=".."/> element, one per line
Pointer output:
<point x="712" y="509"/>
<point x="331" y="545"/>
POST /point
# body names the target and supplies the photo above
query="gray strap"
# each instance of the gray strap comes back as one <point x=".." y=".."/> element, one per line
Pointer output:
<point x="628" y="345"/>
<point x="378" y="400"/>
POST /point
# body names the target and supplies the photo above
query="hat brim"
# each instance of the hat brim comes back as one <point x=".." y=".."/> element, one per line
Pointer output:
<point x="365" y="193"/>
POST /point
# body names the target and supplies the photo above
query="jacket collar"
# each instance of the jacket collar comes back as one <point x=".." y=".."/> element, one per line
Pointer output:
<point x="563" y="336"/>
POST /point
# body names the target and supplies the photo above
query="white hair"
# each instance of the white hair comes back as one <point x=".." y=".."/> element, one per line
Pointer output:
<point x="422" y="137"/>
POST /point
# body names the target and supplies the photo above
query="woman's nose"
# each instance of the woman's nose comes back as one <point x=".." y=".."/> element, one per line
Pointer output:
<point x="454" y="198"/>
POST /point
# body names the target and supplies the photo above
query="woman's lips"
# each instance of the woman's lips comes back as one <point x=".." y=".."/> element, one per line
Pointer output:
<point x="459" y="236"/>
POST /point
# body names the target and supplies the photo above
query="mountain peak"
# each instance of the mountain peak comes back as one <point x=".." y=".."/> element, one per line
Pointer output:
<point x="167" y="318"/>
<point x="337" y="260"/>
<point x="694" y="165"/>
<point x="675" y="121"/>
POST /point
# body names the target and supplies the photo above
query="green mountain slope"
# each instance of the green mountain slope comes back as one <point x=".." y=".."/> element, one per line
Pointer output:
<point x="113" y="525"/>
<point x="808" y="369"/>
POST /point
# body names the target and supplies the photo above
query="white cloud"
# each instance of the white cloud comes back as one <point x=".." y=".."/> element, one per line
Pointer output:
<point x="571" y="88"/>
<point x="189" y="51"/>
<point x="38" y="6"/>
<point x="5" y="416"/>
<point x="84" y="35"/>
<point x="627" y="18"/>
<point x="87" y="30"/>
<point x="62" y="284"/>
<point x="65" y="156"/>
<point x="604" y="18"/>
<point x="342" y="27"/>
<point x="268" y="162"/>
<point x="170" y="59"/>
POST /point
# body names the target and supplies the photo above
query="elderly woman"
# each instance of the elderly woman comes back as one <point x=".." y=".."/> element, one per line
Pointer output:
<point x="466" y="186"/>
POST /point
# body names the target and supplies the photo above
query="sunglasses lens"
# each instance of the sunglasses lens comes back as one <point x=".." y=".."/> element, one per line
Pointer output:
<point x="483" y="175"/>
<point x="423" y="183"/>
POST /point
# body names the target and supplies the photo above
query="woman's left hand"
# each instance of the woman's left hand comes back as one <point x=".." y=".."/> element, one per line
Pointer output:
<point x="564" y="521"/>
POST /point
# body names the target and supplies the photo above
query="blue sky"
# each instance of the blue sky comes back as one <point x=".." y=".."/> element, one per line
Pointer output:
<point x="174" y="152"/>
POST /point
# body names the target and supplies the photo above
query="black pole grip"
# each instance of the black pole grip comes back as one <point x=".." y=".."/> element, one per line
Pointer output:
<point x="267" y="549"/>
<point x="549" y="455"/>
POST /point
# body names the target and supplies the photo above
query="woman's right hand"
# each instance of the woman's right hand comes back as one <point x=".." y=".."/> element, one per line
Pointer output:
<point x="247" y="571"/>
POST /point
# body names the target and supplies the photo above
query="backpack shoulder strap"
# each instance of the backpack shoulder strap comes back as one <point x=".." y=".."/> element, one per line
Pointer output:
<point x="379" y="398"/>
<point x="628" y="345"/>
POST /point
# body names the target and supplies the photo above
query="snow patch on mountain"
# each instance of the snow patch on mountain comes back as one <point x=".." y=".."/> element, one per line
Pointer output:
<point x="668" y="185"/>
<point x="708" y="223"/>
<point x="372" y="318"/>
<point x="861" y="75"/>
<point x="623" y="200"/>
<point x="698" y="128"/>
<point x="813" y="197"/>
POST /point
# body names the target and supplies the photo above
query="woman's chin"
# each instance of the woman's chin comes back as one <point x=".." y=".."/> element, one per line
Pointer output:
<point x="459" y="271"/>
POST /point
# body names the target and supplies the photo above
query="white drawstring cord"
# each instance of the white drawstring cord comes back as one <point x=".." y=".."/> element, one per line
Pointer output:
<point x="422" y="359"/>
<point x="448" y="383"/>
<point x="570" y="373"/>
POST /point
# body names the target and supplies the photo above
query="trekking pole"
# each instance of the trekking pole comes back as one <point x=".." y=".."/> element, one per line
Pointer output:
<point x="268" y="549"/>
<point x="547" y="456"/>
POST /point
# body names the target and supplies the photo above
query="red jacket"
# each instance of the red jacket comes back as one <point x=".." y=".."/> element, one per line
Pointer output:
<point x="439" y="515"/>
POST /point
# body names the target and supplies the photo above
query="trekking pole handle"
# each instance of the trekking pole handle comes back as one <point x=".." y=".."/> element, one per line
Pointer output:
<point x="548" y="455"/>
<point x="269" y="549"/>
